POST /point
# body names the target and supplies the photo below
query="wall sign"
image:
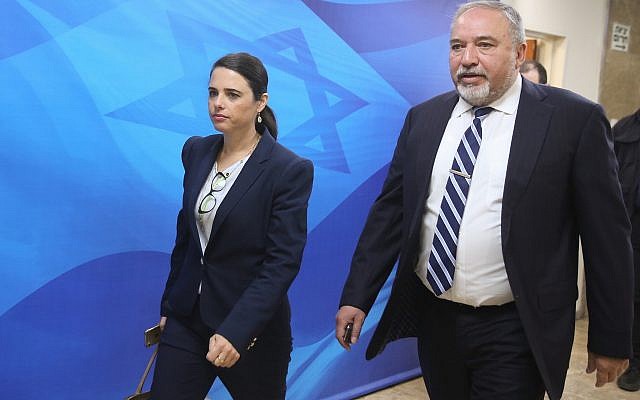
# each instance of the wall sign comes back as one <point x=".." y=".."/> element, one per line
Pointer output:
<point x="620" y="37"/>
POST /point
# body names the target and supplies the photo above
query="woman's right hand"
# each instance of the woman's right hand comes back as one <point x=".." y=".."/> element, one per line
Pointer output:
<point x="162" y="323"/>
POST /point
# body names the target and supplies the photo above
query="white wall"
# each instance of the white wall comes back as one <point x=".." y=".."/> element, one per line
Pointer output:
<point x="583" y="24"/>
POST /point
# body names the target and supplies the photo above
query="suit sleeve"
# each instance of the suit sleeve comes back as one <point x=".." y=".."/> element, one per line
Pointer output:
<point x="380" y="241"/>
<point x="605" y="234"/>
<point x="286" y="238"/>
<point x="182" y="238"/>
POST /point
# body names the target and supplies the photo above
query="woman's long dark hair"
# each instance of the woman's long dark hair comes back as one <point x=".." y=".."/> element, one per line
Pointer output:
<point x="252" y="69"/>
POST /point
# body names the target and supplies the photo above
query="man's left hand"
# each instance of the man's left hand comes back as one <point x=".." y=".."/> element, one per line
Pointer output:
<point x="608" y="368"/>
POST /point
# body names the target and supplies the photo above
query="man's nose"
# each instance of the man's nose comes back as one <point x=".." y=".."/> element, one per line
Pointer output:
<point x="470" y="56"/>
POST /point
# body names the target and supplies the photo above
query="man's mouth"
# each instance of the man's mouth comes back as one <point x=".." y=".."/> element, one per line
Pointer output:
<point x="470" y="77"/>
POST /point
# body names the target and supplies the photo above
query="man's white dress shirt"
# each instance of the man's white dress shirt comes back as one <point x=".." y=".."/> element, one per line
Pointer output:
<point x="480" y="277"/>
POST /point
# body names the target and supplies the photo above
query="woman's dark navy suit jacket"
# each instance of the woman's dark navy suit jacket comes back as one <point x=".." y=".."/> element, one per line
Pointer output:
<point x="256" y="243"/>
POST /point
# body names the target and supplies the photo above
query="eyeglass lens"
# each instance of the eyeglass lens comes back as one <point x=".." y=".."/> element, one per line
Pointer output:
<point x="208" y="202"/>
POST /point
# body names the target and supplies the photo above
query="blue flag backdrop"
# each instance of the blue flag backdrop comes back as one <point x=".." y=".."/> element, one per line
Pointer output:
<point x="97" y="100"/>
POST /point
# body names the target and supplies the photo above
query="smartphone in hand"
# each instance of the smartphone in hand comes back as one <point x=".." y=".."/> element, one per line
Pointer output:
<point x="348" y="330"/>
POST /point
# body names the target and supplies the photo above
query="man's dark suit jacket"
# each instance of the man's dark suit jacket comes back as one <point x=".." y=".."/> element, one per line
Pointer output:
<point x="561" y="182"/>
<point x="256" y="244"/>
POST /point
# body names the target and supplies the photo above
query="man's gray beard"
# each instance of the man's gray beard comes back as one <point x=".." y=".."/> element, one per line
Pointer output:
<point x="477" y="96"/>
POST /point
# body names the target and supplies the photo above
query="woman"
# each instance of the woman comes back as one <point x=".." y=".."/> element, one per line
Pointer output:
<point x="240" y="236"/>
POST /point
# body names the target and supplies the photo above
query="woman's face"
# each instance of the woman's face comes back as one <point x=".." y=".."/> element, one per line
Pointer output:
<point x="232" y="107"/>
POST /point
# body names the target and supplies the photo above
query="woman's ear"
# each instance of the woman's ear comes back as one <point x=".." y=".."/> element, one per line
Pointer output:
<point x="262" y="102"/>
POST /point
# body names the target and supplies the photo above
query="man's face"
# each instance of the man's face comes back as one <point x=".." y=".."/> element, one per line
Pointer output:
<point x="482" y="59"/>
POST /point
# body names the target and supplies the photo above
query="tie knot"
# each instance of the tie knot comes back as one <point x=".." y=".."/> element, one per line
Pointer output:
<point x="482" y="111"/>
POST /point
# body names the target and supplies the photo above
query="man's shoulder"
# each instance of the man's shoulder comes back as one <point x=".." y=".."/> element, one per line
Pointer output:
<point x="562" y="97"/>
<point x="437" y="103"/>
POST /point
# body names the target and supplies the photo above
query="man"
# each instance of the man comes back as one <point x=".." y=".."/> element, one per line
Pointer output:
<point x="626" y="134"/>
<point x="534" y="71"/>
<point x="491" y="296"/>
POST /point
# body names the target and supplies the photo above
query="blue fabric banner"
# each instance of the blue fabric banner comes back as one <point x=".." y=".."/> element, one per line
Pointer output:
<point x="97" y="100"/>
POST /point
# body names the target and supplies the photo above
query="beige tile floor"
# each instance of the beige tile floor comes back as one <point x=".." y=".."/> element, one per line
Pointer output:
<point x="579" y="385"/>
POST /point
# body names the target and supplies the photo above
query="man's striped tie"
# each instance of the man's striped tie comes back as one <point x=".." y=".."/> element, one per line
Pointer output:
<point x="442" y="260"/>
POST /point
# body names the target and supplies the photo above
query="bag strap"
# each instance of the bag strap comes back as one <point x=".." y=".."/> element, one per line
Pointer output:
<point x="146" y="371"/>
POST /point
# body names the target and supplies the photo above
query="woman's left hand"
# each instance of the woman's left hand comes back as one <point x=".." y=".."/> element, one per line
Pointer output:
<point x="221" y="352"/>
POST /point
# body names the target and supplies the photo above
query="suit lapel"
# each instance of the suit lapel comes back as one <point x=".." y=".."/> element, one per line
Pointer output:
<point x="529" y="133"/>
<point x="429" y="141"/>
<point x="194" y="186"/>
<point x="250" y="172"/>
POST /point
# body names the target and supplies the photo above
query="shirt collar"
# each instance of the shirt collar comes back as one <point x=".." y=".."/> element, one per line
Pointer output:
<point x="507" y="104"/>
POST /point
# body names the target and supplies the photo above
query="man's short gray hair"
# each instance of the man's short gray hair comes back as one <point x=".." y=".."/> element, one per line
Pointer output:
<point x="516" y="28"/>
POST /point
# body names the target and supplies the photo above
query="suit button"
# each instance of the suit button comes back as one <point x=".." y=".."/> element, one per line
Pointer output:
<point x="201" y="261"/>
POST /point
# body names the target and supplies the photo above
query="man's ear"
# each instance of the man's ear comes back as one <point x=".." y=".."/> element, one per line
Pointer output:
<point x="521" y="51"/>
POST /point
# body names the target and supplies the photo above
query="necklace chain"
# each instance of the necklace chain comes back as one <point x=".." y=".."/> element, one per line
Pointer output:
<point x="242" y="160"/>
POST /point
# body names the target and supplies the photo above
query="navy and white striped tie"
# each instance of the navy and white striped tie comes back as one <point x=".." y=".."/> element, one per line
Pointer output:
<point x="442" y="260"/>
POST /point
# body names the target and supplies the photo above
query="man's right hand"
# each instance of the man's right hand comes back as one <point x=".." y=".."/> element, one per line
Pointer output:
<point x="349" y="314"/>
